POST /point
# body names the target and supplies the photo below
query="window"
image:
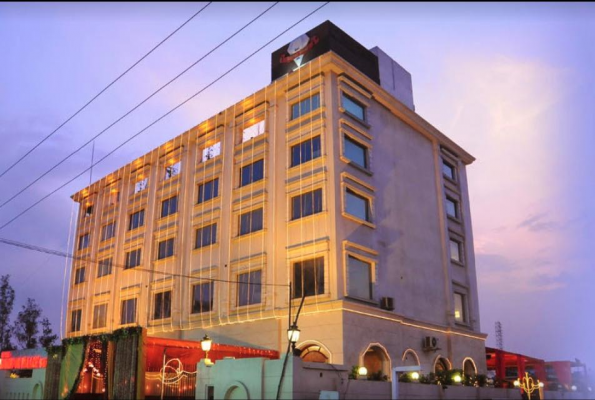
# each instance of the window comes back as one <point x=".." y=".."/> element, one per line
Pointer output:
<point x="133" y="259"/>
<point x="100" y="316"/>
<point x="452" y="208"/>
<point x="252" y="173"/>
<point x="114" y="197"/>
<point x="353" y="107"/>
<point x="357" y="205"/>
<point x="306" y="204"/>
<point x="253" y="131"/>
<point x="79" y="275"/>
<point x="251" y="222"/>
<point x="308" y="277"/>
<point x="460" y="313"/>
<point x="448" y="170"/>
<point x="75" y="320"/>
<point x="305" y="151"/>
<point x="128" y="312"/>
<point x="305" y="106"/>
<point x="360" y="278"/>
<point x="89" y="210"/>
<point x="84" y="241"/>
<point x="104" y="267"/>
<point x="169" y="206"/>
<point x="166" y="249"/>
<point x="173" y="170"/>
<point x="249" y="288"/>
<point x="455" y="250"/>
<point x="108" y="231"/>
<point x="137" y="220"/>
<point x="202" y="298"/>
<point x="140" y="185"/>
<point x="162" y="305"/>
<point x="206" y="236"/>
<point x="208" y="190"/>
<point x="211" y="152"/>
<point x="356" y="152"/>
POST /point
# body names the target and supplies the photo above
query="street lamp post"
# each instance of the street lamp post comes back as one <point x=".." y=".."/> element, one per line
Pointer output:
<point x="205" y="345"/>
<point x="528" y="384"/>
<point x="293" y="335"/>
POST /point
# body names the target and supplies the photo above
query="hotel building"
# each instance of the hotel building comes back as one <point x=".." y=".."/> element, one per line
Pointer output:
<point x="325" y="183"/>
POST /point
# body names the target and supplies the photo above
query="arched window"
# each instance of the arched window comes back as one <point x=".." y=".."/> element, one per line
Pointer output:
<point x="314" y="353"/>
<point x="469" y="367"/>
<point x="441" y="365"/>
<point x="410" y="359"/>
<point x="377" y="362"/>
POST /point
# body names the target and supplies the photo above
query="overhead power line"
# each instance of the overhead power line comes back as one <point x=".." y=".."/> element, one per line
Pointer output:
<point x="136" y="107"/>
<point x="101" y="92"/>
<point x="64" y="254"/>
<point x="163" y="116"/>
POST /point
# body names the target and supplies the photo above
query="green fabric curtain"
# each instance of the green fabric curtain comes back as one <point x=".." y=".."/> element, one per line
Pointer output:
<point x="71" y="369"/>
<point x="52" y="373"/>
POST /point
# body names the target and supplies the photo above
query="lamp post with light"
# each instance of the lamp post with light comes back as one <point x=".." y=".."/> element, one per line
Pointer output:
<point x="293" y="335"/>
<point x="528" y="385"/>
<point x="205" y="345"/>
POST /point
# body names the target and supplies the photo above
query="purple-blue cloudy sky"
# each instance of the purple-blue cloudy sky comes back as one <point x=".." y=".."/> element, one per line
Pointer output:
<point x="512" y="83"/>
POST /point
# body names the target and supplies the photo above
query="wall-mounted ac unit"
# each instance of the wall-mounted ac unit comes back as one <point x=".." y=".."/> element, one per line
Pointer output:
<point x="430" y="343"/>
<point x="387" y="303"/>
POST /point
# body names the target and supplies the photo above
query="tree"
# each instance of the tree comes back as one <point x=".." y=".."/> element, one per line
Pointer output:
<point x="47" y="337"/>
<point x="26" y="326"/>
<point x="6" y="305"/>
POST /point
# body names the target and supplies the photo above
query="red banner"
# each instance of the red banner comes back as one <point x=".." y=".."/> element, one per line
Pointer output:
<point x="7" y="361"/>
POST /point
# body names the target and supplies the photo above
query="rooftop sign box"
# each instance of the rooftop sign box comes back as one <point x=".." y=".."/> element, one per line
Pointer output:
<point x="318" y="41"/>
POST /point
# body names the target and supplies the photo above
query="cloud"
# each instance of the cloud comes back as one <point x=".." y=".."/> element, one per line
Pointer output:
<point x="538" y="222"/>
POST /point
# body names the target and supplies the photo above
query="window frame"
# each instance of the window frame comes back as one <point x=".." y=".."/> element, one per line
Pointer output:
<point x="124" y="309"/>
<point x="202" y="193"/>
<point x="201" y="310"/>
<point x="140" y="220"/>
<point x="172" y="170"/>
<point x="169" y="212"/>
<point x="101" y="266"/>
<point x="251" y="223"/>
<point x="369" y="220"/>
<point x="249" y="294"/>
<point x="464" y="307"/>
<point x="206" y="152"/>
<point x="138" y="258"/>
<point x="460" y="250"/>
<point x="352" y="99"/>
<point x="76" y="322"/>
<point x="446" y="163"/>
<point x="95" y="319"/>
<point x="314" y="153"/>
<point x="357" y="143"/>
<point x="84" y="241"/>
<point x="299" y="103"/>
<point x="105" y="232"/>
<point x="314" y="204"/>
<point x="168" y="248"/>
<point x="371" y="274"/>
<point x="317" y="271"/>
<point x="80" y="275"/>
<point x="212" y="235"/>
<point x="251" y="173"/>
<point x="457" y="204"/>
<point x="166" y="311"/>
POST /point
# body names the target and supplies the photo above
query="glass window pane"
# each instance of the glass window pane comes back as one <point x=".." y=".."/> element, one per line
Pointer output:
<point x="455" y="250"/>
<point x="360" y="278"/>
<point x="253" y="131"/>
<point x="357" y="205"/>
<point x="356" y="152"/>
<point x="211" y="152"/>
<point x="448" y="170"/>
<point x="353" y="107"/>
<point x="451" y="208"/>
<point x="308" y="277"/>
<point x="459" y="308"/>
<point x="256" y="220"/>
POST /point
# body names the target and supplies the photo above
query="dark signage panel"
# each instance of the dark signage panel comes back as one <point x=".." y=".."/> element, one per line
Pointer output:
<point x="322" y="39"/>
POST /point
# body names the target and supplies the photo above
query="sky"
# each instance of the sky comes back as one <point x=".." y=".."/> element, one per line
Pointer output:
<point x="513" y="84"/>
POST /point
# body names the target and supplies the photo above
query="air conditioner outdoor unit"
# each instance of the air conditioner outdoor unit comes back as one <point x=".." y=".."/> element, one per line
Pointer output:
<point x="430" y="343"/>
<point x="387" y="303"/>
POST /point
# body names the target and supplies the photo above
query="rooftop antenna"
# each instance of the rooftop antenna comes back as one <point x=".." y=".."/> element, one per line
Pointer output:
<point x="499" y="336"/>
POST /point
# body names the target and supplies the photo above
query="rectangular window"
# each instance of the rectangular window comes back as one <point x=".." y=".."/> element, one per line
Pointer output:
<point x="304" y="106"/>
<point x="206" y="236"/>
<point x="104" y="267"/>
<point x="452" y="208"/>
<point x="89" y="210"/>
<point x="249" y="288"/>
<point x="108" y="231"/>
<point x="84" y="241"/>
<point x="455" y="250"/>
<point x="128" y="312"/>
<point x="133" y="258"/>
<point x="460" y="312"/>
<point x="253" y="131"/>
<point x="358" y="206"/>
<point x="448" y="170"/>
<point x="353" y="107"/>
<point x="211" y="152"/>
<point x="252" y="173"/>
<point x="166" y="249"/>
<point x="162" y="305"/>
<point x="208" y="190"/>
<point x="306" y="204"/>
<point x="251" y="222"/>
<point x="308" y="277"/>
<point x="140" y="185"/>
<point x="202" y="298"/>
<point x="360" y="278"/>
<point x="356" y="152"/>
<point x="75" y="320"/>
<point x="79" y="275"/>
<point x="173" y="170"/>
<point x="169" y="206"/>
<point x="100" y="316"/>
<point x="305" y="151"/>
<point x="137" y="220"/>
<point x="114" y="197"/>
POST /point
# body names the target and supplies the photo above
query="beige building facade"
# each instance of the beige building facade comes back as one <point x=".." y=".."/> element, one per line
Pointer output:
<point x="322" y="182"/>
